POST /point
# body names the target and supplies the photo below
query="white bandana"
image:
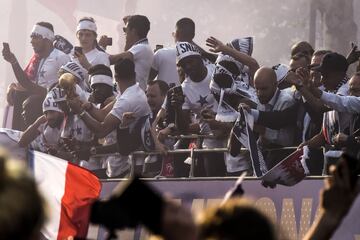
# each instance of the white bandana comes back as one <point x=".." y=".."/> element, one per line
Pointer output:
<point x="185" y="49"/>
<point x="86" y="25"/>
<point x="58" y="94"/>
<point x="44" y="32"/>
<point x="75" y="69"/>
<point x="49" y="104"/>
<point x="101" y="79"/>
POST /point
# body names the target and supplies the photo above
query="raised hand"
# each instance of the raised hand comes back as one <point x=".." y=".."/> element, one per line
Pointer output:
<point x="8" y="55"/>
<point x="215" y="45"/>
<point x="353" y="55"/>
<point x="304" y="75"/>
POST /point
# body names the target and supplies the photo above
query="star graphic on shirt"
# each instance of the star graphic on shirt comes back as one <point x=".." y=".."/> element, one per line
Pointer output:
<point x="42" y="73"/>
<point x="78" y="130"/>
<point x="202" y="100"/>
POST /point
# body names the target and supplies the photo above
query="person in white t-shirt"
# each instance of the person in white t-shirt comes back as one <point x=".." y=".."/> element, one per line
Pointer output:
<point x="39" y="75"/>
<point x="198" y="99"/>
<point x="164" y="65"/>
<point x="44" y="134"/>
<point x="137" y="47"/>
<point x="131" y="101"/>
<point x="91" y="54"/>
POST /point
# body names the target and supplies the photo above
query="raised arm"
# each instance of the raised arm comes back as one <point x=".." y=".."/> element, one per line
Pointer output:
<point x="217" y="46"/>
<point x="31" y="132"/>
<point x="20" y="74"/>
<point x="116" y="57"/>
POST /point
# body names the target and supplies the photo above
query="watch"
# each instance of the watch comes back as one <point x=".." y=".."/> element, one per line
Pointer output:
<point x="93" y="150"/>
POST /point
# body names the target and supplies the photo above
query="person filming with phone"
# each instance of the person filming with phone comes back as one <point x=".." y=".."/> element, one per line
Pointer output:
<point x="39" y="75"/>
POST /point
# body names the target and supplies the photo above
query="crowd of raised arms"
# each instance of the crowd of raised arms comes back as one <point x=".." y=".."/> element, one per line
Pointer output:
<point x="69" y="103"/>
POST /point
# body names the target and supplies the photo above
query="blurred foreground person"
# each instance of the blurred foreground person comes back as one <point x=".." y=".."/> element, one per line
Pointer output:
<point x="23" y="218"/>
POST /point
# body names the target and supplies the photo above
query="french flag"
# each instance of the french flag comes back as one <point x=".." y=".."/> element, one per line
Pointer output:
<point x="69" y="191"/>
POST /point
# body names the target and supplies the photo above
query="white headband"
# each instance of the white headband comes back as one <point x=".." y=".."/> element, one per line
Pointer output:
<point x="43" y="32"/>
<point x="101" y="79"/>
<point x="86" y="25"/>
<point x="49" y="104"/>
<point x="185" y="49"/>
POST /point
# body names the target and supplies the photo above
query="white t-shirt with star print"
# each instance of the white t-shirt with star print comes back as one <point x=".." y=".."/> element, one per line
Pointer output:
<point x="197" y="94"/>
<point x="75" y="128"/>
<point x="199" y="97"/>
<point x="47" y="74"/>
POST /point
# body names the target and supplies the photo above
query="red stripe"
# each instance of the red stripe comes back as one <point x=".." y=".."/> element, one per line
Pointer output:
<point x="81" y="189"/>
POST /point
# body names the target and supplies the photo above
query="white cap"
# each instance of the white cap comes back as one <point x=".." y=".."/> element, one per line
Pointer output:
<point x="185" y="49"/>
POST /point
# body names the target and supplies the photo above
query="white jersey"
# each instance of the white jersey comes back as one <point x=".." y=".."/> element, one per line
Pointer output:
<point x="165" y="64"/>
<point x="49" y="137"/>
<point x="143" y="58"/>
<point x="198" y="97"/>
<point x="133" y="99"/>
<point x="47" y="74"/>
<point x="94" y="57"/>
<point x="75" y="128"/>
<point x="9" y="139"/>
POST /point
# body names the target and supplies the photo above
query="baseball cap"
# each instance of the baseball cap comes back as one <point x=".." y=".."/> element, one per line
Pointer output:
<point x="334" y="62"/>
<point x="185" y="49"/>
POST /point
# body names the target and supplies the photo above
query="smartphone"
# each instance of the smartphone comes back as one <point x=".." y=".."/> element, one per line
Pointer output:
<point x="78" y="49"/>
<point x="109" y="41"/>
<point x="177" y="90"/>
<point x="6" y="46"/>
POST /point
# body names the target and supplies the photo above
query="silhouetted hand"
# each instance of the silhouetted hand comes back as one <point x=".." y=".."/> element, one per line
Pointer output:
<point x="353" y="55"/>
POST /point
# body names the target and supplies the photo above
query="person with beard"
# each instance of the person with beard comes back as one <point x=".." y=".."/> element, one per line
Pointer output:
<point x="137" y="47"/>
<point x="44" y="134"/>
<point x="39" y="75"/>
<point x="102" y="85"/>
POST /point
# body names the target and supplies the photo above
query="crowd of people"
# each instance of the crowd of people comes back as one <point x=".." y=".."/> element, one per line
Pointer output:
<point x="74" y="106"/>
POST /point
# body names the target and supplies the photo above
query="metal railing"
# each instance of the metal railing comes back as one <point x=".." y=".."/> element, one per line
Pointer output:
<point x="192" y="152"/>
